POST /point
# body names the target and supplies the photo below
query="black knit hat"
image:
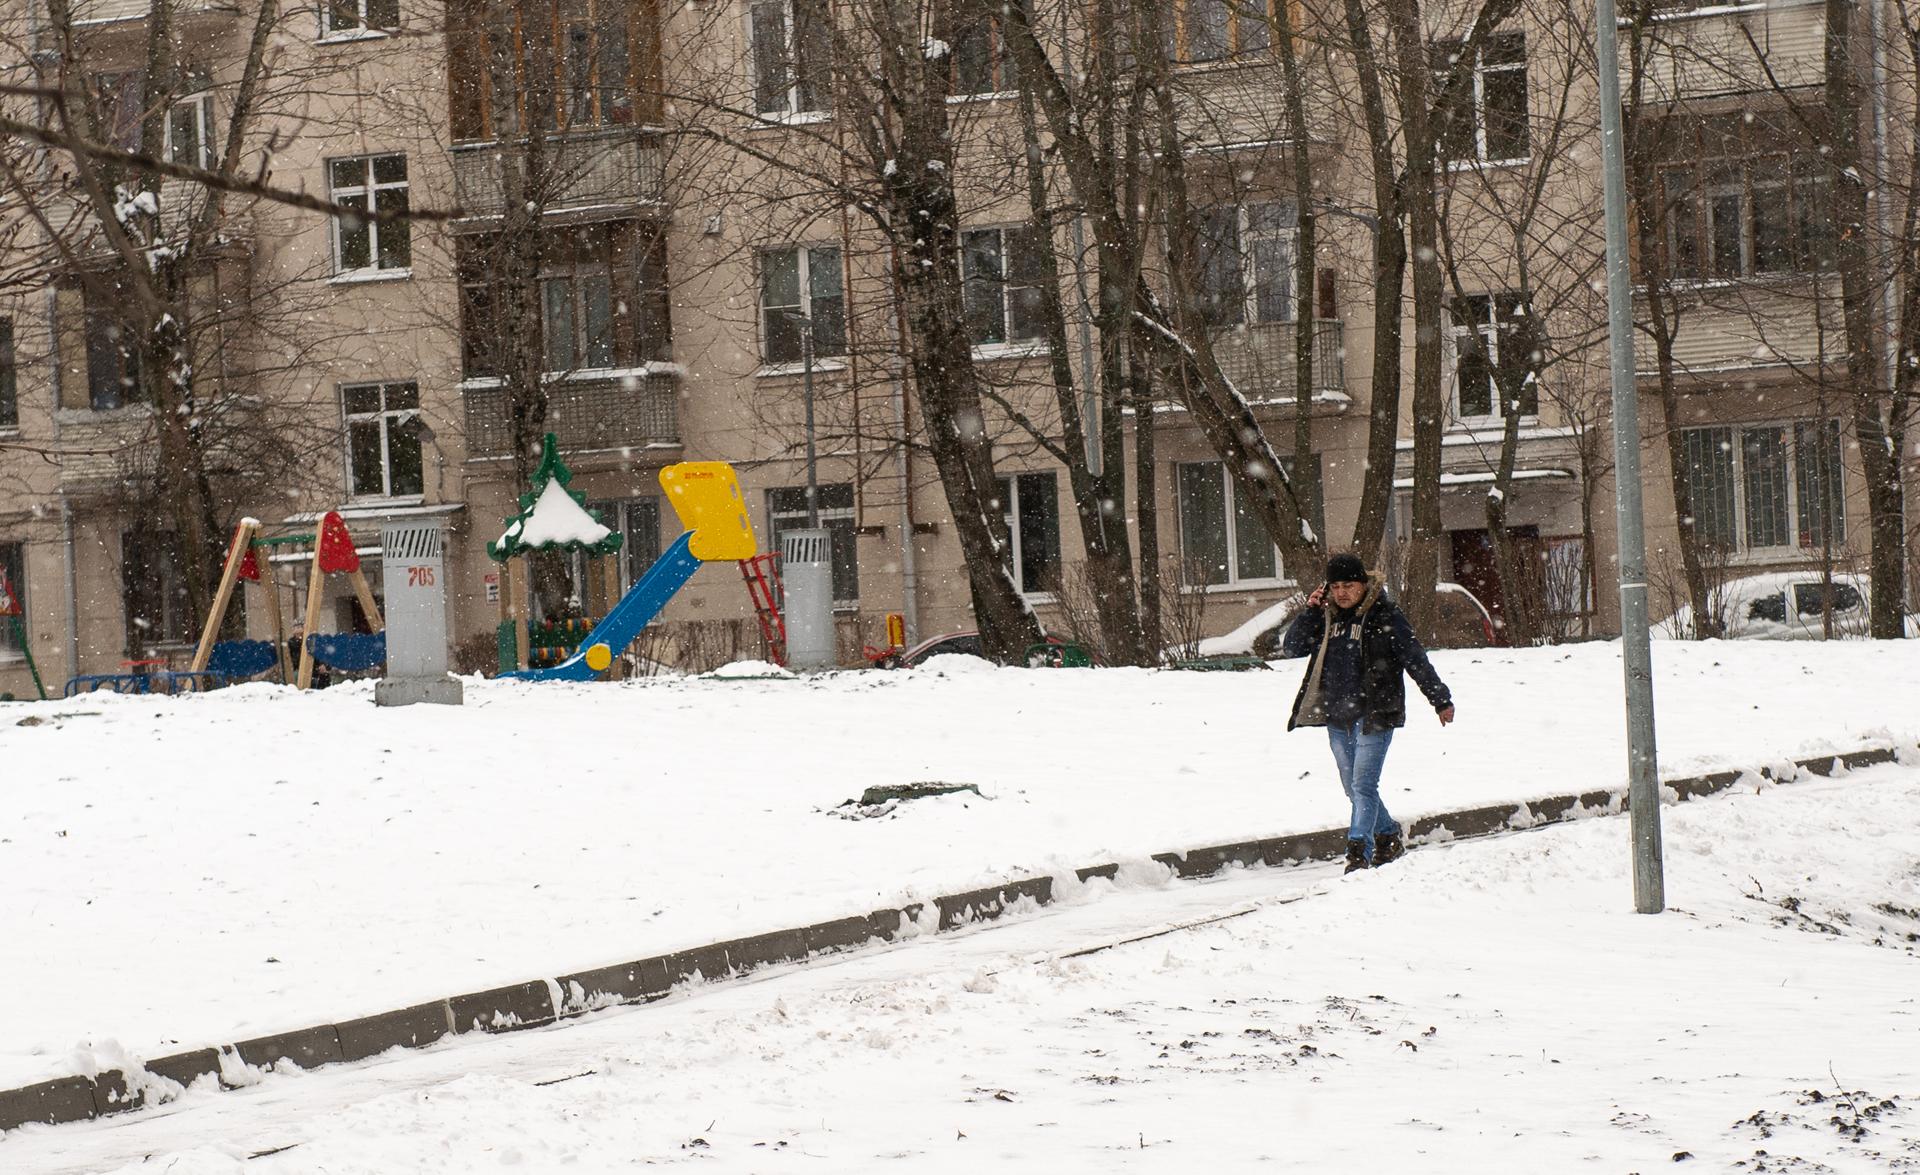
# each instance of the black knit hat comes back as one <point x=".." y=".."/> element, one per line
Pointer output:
<point x="1346" y="569"/>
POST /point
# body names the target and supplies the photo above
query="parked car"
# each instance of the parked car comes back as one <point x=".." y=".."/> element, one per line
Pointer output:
<point x="1463" y="622"/>
<point x="1784" y="606"/>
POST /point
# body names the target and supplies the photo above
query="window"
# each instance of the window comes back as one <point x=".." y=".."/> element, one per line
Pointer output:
<point x="13" y="588"/>
<point x="1766" y="487"/>
<point x="981" y="62"/>
<point x="373" y="184"/>
<point x="800" y="289"/>
<point x="1246" y="259"/>
<point x="638" y="521"/>
<point x="603" y="299"/>
<point x="1214" y="30"/>
<point x="1002" y="286"/>
<point x="792" y="49"/>
<point x="591" y="49"/>
<point x="576" y="319"/>
<point x="1219" y="545"/>
<point x="190" y="131"/>
<point x="9" y="378"/>
<point x="113" y="351"/>
<point x="1031" y="504"/>
<point x="1488" y="121"/>
<point x="121" y="102"/>
<point x="360" y="16"/>
<point x="154" y="589"/>
<point x="1495" y="364"/>
<point x="1744" y="197"/>
<point x="1566" y="592"/>
<point x="383" y="440"/>
<point x="787" y="510"/>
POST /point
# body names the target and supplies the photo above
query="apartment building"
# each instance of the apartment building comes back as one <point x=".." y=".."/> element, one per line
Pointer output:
<point x="695" y="291"/>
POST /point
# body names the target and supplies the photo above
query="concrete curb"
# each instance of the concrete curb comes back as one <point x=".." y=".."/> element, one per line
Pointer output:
<point x="544" y="1001"/>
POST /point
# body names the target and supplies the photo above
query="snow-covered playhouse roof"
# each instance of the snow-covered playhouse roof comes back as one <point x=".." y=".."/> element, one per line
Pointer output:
<point x="553" y="517"/>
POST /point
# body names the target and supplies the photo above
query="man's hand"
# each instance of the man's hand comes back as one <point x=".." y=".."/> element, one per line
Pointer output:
<point x="1318" y="597"/>
<point x="1446" y="716"/>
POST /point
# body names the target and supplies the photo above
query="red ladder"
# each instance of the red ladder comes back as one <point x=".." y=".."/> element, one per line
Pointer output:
<point x="762" y="573"/>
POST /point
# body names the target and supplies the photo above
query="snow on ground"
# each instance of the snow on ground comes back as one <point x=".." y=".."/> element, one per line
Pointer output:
<point x="1489" y="1005"/>
<point x="185" y="872"/>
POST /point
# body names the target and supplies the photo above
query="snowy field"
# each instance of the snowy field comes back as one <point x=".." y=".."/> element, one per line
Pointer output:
<point x="1487" y="1005"/>
<point x="184" y="872"/>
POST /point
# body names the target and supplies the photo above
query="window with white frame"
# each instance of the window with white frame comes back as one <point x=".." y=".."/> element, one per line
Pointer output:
<point x="1246" y="256"/>
<point x="801" y="290"/>
<point x="383" y="440"/>
<point x="1002" y="287"/>
<point x="787" y="510"/>
<point x="190" y="131"/>
<point x="373" y="185"/>
<point x="121" y="101"/>
<point x="338" y="17"/>
<point x="1766" y="487"/>
<point x="1488" y="121"/>
<point x="1222" y="540"/>
<point x="792" y="46"/>
<point x="1495" y="365"/>
<point x="1030" y="503"/>
<point x="13" y="591"/>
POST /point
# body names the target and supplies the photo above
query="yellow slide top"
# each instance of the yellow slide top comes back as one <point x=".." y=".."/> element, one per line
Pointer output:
<point x="706" y="496"/>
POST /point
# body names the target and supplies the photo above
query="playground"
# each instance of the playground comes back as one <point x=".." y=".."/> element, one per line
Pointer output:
<point x="552" y="519"/>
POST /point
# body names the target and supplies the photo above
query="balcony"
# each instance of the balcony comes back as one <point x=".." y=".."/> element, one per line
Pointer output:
<point x="586" y="413"/>
<point x="619" y="172"/>
<point x="1750" y="325"/>
<point x="1699" y="50"/>
<point x="1258" y="358"/>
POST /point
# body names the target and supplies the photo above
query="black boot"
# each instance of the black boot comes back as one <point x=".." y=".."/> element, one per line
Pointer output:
<point x="1387" y="848"/>
<point x="1356" y="855"/>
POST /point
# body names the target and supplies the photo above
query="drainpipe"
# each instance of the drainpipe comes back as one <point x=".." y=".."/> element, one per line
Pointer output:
<point x="1883" y="205"/>
<point x="67" y="562"/>
<point x="909" y="569"/>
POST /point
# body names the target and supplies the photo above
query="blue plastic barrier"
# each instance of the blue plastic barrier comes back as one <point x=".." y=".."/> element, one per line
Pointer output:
<point x="236" y="660"/>
<point x="349" y="651"/>
<point x="161" y="682"/>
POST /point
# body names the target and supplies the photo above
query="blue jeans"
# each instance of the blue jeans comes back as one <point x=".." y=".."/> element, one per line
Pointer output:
<point x="1359" y="756"/>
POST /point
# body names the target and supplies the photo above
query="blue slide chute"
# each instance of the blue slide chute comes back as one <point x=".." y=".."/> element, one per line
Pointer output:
<point x="643" y="601"/>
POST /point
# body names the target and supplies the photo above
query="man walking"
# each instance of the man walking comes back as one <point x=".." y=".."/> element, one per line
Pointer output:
<point x="1361" y="646"/>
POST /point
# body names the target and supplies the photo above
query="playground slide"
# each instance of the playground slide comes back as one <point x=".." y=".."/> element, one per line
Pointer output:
<point x="643" y="601"/>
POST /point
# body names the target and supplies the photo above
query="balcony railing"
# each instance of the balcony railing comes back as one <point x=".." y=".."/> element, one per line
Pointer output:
<point x="580" y="172"/>
<point x="584" y="413"/>
<point x="1258" y="358"/>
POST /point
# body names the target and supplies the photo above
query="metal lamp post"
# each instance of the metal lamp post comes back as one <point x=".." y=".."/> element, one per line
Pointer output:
<point x="1649" y="885"/>
<point x="806" y="391"/>
<point x="806" y="559"/>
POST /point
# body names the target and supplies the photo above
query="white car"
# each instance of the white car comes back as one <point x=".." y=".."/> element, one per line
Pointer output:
<point x="1784" y="606"/>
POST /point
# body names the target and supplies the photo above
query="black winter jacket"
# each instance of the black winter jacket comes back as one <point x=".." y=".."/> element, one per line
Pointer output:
<point x="1388" y="649"/>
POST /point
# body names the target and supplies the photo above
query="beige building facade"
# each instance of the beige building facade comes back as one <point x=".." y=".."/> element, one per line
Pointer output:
<point x="693" y="290"/>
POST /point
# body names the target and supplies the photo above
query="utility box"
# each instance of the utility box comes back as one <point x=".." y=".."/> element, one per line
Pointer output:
<point x="413" y="564"/>
<point x="806" y="578"/>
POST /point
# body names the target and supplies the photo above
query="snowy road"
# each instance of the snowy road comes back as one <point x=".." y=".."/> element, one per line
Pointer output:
<point x="1489" y="1005"/>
